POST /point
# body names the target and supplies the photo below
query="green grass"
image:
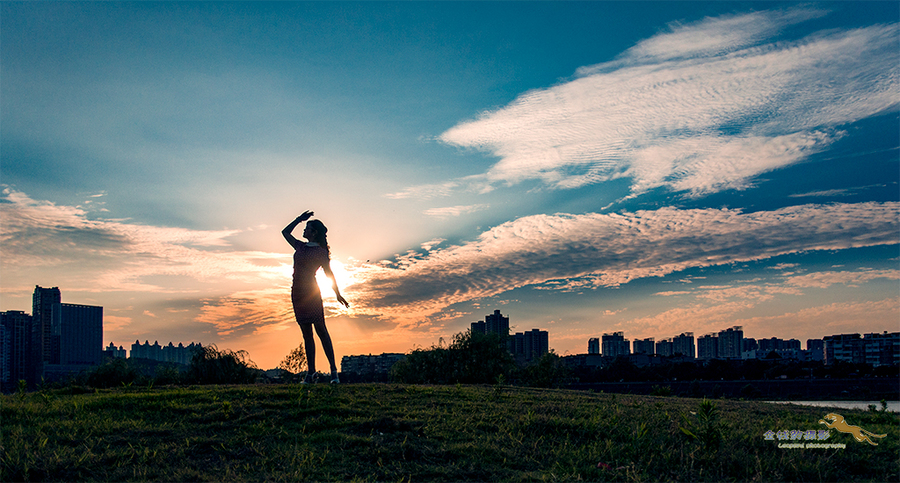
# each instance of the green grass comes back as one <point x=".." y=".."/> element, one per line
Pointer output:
<point x="384" y="432"/>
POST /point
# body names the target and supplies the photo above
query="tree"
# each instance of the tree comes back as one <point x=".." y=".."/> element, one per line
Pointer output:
<point x="471" y="358"/>
<point x="213" y="366"/>
<point x="294" y="362"/>
<point x="546" y="371"/>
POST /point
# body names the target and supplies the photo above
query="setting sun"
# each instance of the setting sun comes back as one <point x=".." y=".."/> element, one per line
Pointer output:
<point x="340" y="275"/>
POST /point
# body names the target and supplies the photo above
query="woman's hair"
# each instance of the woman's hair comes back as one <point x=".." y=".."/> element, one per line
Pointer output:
<point x="320" y="237"/>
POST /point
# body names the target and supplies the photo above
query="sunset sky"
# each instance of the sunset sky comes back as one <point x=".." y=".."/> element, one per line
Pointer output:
<point x="584" y="167"/>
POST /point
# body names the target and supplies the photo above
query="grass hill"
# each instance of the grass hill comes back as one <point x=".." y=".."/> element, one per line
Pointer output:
<point x="381" y="432"/>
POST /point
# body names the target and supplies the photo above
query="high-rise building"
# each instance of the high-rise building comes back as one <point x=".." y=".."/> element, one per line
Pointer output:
<point x="43" y="300"/>
<point x="77" y="334"/>
<point x="665" y="348"/>
<point x="496" y="324"/>
<point x="15" y="345"/>
<point x="708" y="347"/>
<point x="776" y="344"/>
<point x="594" y="345"/>
<point x="684" y="344"/>
<point x="529" y="345"/>
<point x="882" y="349"/>
<point x="615" y="344"/>
<point x="749" y="344"/>
<point x="644" y="346"/>
<point x="493" y="324"/>
<point x="875" y="349"/>
<point x="815" y="350"/>
<point x="731" y="343"/>
<point x="844" y="347"/>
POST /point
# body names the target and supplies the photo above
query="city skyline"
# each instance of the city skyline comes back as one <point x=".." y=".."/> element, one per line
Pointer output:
<point x="70" y="345"/>
<point x="586" y="167"/>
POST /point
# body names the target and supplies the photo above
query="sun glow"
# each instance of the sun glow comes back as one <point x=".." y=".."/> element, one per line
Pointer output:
<point x="340" y="274"/>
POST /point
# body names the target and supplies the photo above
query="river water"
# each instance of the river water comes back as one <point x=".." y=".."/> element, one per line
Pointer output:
<point x="892" y="406"/>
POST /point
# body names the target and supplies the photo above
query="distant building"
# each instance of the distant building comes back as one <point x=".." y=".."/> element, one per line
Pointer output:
<point x="496" y="324"/>
<point x="181" y="354"/>
<point x="77" y="334"/>
<point x="844" y="347"/>
<point x="594" y="345"/>
<point x="363" y="365"/>
<point x="815" y="350"/>
<point x="60" y="338"/>
<point x="582" y="360"/>
<point x="614" y="345"/>
<point x="683" y="344"/>
<point x="708" y="347"/>
<point x="643" y="346"/>
<point x="783" y="354"/>
<point x="730" y="343"/>
<point x="665" y="348"/>
<point x="529" y="345"/>
<point x="15" y="344"/>
<point x="776" y="344"/>
<point x="524" y="346"/>
<point x="882" y="349"/>
<point x="815" y="345"/>
<point x="43" y="300"/>
<point x="493" y="324"/>
<point x="113" y="352"/>
<point x="749" y="344"/>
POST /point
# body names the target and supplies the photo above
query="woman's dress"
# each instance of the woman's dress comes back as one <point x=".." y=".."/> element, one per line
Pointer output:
<point x="305" y="293"/>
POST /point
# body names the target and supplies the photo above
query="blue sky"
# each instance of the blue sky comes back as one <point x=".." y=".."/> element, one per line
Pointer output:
<point x="584" y="167"/>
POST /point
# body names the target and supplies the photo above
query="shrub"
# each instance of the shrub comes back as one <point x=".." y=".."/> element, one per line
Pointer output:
<point x="546" y="371"/>
<point x="471" y="358"/>
<point x="116" y="372"/>
<point x="293" y="363"/>
<point x="213" y="366"/>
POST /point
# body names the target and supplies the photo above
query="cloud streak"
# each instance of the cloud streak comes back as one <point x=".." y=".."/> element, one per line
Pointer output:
<point x="577" y="252"/>
<point x="699" y="109"/>
<point x="114" y="255"/>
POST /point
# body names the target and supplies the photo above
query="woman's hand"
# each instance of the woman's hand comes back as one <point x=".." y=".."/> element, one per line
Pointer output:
<point x="343" y="301"/>
<point x="305" y="216"/>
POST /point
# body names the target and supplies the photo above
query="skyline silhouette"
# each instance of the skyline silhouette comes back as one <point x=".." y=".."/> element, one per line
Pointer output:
<point x="587" y="167"/>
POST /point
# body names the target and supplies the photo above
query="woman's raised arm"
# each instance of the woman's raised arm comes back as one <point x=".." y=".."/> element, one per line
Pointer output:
<point x="288" y="229"/>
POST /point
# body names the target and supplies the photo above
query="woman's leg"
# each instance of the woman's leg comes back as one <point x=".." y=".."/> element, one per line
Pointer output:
<point x="326" y="345"/>
<point x="309" y="344"/>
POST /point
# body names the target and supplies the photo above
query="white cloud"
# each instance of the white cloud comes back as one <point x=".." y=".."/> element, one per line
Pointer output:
<point x="827" y="279"/>
<point x="455" y="210"/>
<point x="114" y="255"/>
<point x="702" y="108"/>
<point x="607" y="250"/>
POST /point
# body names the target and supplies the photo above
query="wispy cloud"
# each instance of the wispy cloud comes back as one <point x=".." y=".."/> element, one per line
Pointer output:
<point x="827" y="279"/>
<point x="242" y="313"/>
<point x="449" y="211"/>
<point x="606" y="250"/>
<point x="701" y="108"/>
<point x="834" y="192"/>
<point x="114" y="255"/>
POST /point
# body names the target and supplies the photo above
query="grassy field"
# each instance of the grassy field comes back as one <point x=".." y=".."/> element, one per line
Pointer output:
<point x="383" y="432"/>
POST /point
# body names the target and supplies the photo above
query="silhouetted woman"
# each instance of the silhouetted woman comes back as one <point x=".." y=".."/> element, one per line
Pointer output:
<point x="305" y="296"/>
